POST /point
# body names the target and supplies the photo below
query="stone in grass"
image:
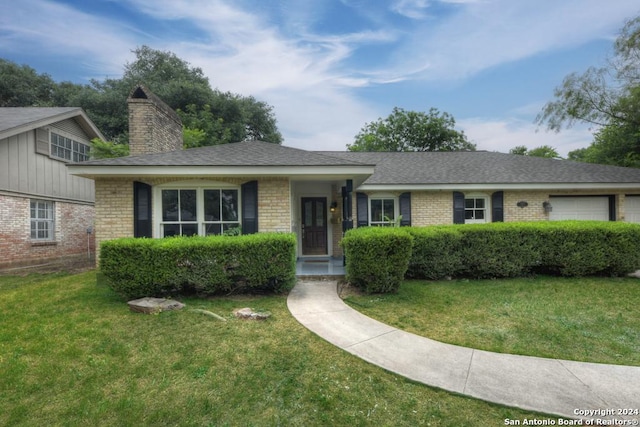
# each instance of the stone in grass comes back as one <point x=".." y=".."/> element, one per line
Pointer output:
<point x="248" y="313"/>
<point x="149" y="305"/>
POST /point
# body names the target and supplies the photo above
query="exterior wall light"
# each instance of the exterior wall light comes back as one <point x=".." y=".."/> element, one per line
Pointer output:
<point x="547" y="207"/>
<point x="333" y="206"/>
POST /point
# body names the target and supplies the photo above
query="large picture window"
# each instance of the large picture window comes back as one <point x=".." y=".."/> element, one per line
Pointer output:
<point x="68" y="149"/>
<point x="199" y="211"/>
<point x="383" y="211"/>
<point x="42" y="220"/>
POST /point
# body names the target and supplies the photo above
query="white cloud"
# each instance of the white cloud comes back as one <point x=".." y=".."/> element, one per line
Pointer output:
<point x="504" y="134"/>
<point x="485" y="34"/>
<point x="48" y="28"/>
<point x="415" y="9"/>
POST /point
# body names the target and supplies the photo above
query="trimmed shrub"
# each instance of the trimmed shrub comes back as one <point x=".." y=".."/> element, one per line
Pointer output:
<point x="436" y="252"/>
<point x="207" y="265"/>
<point x="567" y="248"/>
<point x="377" y="257"/>
<point x="497" y="250"/>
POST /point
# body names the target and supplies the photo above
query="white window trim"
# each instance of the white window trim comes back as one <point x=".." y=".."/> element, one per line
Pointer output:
<point x="487" y="208"/>
<point x="384" y="196"/>
<point x="199" y="186"/>
<point x="74" y="139"/>
<point x="51" y="207"/>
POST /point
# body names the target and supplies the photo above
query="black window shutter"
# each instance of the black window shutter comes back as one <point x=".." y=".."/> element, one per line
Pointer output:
<point x="458" y="207"/>
<point x="142" y="210"/>
<point x="362" y="204"/>
<point x="405" y="209"/>
<point x="250" y="207"/>
<point x="612" y="208"/>
<point x="497" y="209"/>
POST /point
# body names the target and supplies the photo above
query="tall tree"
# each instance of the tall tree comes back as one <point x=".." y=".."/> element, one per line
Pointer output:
<point x="22" y="86"/>
<point x="412" y="131"/>
<point x="209" y="115"/>
<point x="608" y="98"/>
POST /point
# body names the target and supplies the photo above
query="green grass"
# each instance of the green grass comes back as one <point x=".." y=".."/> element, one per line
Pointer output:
<point x="71" y="354"/>
<point x="583" y="319"/>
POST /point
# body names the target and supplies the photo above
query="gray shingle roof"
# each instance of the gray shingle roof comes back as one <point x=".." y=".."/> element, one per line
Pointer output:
<point x="15" y="120"/>
<point x="479" y="167"/>
<point x="13" y="117"/>
<point x="392" y="168"/>
<point x="246" y="153"/>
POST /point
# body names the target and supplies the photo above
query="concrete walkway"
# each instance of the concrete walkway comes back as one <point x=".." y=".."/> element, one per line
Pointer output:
<point x="559" y="387"/>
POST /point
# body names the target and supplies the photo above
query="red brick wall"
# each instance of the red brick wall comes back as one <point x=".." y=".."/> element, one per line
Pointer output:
<point x="70" y="236"/>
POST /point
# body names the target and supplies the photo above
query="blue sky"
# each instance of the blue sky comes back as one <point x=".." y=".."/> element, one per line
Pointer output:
<point x="328" y="67"/>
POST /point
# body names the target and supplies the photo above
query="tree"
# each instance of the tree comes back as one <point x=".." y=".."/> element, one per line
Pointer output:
<point x="106" y="150"/>
<point x="606" y="97"/>
<point x="412" y="131"/>
<point x="220" y="117"/>
<point x="545" y="151"/>
<point x="22" y="86"/>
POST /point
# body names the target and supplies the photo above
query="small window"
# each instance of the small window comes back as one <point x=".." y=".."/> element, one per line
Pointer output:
<point x="475" y="210"/>
<point x="68" y="149"/>
<point x="42" y="221"/>
<point x="383" y="212"/>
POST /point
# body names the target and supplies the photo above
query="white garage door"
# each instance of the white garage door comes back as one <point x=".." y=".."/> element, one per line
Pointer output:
<point x="586" y="208"/>
<point x="632" y="208"/>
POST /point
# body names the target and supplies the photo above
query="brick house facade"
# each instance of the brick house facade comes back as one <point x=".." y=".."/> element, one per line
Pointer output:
<point x="45" y="213"/>
<point x="262" y="187"/>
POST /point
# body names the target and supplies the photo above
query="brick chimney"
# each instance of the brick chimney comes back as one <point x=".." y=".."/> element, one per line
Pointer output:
<point x="153" y="126"/>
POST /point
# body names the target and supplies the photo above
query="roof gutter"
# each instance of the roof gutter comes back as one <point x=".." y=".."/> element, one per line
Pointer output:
<point x="501" y="186"/>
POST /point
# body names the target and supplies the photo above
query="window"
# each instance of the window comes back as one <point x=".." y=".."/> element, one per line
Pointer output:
<point x="475" y="209"/>
<point x="198" y="211"/>
<point x="383" y="212"/>
<point x="68" y="149"/>
<point x="42" y="221"/>
<point x="220" y="211"/>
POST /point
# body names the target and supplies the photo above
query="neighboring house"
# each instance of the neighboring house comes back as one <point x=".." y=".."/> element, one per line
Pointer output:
<point x="45" y="212"/>
<point x="263" y="187"/>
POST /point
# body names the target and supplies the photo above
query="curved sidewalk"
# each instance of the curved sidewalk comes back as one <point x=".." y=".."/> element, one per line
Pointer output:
<point x="551" y="386"/>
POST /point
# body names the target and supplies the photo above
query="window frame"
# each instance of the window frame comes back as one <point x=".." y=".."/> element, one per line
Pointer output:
<point x="49" y="222"/>
<point x="486" y="209"/>
<point x="200" y="221"/>
<point x="70" y="150"/>
<point x="383" y="198"/>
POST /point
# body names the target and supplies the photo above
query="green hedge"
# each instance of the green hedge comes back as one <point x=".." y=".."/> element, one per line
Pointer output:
<point x="377" y="257"/>
<point x="207" y="265"/>
<point x="567" y="248"/>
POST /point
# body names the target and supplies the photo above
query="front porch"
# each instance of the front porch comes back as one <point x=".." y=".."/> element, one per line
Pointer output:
<point x="325" y="266"/>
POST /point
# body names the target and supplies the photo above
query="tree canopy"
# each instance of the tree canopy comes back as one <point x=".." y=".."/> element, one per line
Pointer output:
<point x="209" y="116"/>
<point x="607" y="98"/>
<point x="412" y="131"/>
<point x="545" y="151"/>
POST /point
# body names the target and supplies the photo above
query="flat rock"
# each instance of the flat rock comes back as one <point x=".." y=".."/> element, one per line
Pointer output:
<point x="150" y="305"/>
<point x="248" y="313"/>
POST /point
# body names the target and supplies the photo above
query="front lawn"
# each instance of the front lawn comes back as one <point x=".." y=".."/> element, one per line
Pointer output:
<point x="583" y="319"/>
<point x="71" y="353"/>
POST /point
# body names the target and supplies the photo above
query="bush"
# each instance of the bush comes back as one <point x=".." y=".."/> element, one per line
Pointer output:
<point x="436" y="252"/>
<point x="567" y="248"/>
<point x="207" y="265"/>
<point x="377" y="257"/>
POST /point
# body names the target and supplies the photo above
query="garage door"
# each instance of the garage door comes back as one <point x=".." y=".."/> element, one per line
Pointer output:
<point x="587" y="208"/>
<point x="632" y="208"/>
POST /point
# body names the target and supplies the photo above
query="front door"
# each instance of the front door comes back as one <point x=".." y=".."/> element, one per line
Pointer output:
<point x="314" y="226"/>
